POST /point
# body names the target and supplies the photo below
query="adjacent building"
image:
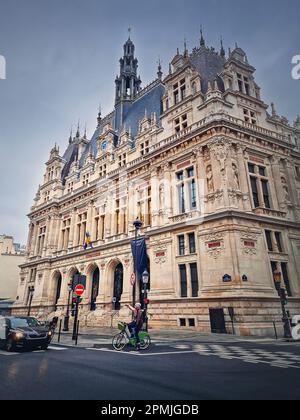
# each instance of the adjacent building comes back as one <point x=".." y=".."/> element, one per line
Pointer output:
<point x="12" y="255"/>
<point x="214" y="174"/>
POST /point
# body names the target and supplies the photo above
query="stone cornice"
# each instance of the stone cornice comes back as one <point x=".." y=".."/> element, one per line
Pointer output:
<point x="172" y="227"/>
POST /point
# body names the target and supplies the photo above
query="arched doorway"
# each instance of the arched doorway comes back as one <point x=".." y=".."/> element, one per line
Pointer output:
<point x="118" y="285"/>
<point x="58" y="289"/>
<point x="95" y="288"/>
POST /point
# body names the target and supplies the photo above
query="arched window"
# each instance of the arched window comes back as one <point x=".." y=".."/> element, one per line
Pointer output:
<point x="95" y="288"/>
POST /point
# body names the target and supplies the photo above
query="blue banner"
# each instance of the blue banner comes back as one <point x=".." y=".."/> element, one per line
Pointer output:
<point x="139" y="253"/>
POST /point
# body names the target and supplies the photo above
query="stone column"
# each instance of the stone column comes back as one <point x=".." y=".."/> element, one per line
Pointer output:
<point x="169" y="210"/>
<point x="243" y="178"/>
<point x="48" y="232"/>
<point x="276" y="192"/>
<point x="89" y="221"/>
<point x="71" y="237"/>
<point x="155" y="197"/>
<point x="29" y="240"/>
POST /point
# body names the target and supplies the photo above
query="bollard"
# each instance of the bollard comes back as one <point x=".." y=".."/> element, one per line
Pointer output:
<point x="59" y="331"/>
<point x="275" y="329"/>
<point x="77" y="332"/>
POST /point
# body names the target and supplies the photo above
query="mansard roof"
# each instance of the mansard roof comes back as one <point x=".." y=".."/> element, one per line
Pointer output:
<point x="209" y="64"/>
<point x="206" y="61"/>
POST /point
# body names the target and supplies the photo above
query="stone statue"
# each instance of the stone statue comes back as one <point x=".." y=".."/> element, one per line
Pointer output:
<point x="161" y="196"/>
<point x="236" y="176"/>
<point x="286" y="190"/>
<point x="210" y="179"/>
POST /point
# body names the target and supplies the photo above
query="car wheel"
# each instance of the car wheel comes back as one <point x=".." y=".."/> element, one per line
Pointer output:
<point x="45" y="347"/>
<point x="10" y="345"/>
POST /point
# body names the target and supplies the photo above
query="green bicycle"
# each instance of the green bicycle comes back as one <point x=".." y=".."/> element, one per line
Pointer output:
<point x="121" y="340"/>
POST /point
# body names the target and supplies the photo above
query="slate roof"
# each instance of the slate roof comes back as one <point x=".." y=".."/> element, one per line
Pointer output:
<point x="205" y="60"/>
<point x="209" y="65"/>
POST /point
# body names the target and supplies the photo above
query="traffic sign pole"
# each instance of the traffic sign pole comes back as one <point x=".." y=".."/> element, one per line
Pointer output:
<point x="79" y="291"/>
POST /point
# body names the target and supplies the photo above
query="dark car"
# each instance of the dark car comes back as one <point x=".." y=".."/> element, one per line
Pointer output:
<point x="23" y="333"/>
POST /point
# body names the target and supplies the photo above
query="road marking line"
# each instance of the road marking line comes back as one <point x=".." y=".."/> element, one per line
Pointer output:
<point x="4" y="353"/>
<point x="57" y="348"/>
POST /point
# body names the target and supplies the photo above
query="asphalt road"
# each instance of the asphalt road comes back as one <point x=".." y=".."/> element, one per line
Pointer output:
<point x="174" y="371"/>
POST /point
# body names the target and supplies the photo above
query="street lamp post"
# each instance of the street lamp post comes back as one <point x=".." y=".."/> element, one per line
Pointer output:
<point x="31" y="292"/>
<point x="67" y="317"/>
<point x="146" y="282"/>
<point x="282" y="294"/>
<point x="137" y="225"/>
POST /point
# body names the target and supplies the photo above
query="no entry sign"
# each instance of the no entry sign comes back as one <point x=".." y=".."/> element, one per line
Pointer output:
<point x="79" y="290"/>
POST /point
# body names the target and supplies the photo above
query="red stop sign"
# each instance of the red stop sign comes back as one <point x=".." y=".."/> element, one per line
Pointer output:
<point x="79" y="290"/>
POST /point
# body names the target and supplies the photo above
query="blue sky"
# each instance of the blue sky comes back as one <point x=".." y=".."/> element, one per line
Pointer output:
<point x="62" y="59"/>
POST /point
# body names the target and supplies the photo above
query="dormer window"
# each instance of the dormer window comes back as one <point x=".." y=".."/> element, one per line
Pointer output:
<point x="183" y="89"/>
<point x="181" y="123"/>
<point x="86" y="179"/>
<point x="250" y="116"/>
<point x="122" y="160"/>
<point x="243" y="83"/>
<point x="102" y="171"/>
<point x="70" y="187"/>
<point x="144" y="148"/>
<point x="46" y="196"/>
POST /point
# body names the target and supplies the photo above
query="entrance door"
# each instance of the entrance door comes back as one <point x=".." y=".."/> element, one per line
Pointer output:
<point x="58" y="289"/>
<point x="217" y="321"/>
<point x="118" y="286"/>
<point x="95" y="289"/>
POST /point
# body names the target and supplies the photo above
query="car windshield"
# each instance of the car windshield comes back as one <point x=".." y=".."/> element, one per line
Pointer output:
<point x="24" y="322"/>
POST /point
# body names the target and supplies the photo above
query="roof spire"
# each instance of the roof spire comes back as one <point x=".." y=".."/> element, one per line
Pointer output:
<point x="99" y="118"/>
<point x="85" y="134"/>
<point x="222" y="52"/>
<point x="186" y="53"/>
<point x="159" y="73"/>
<point x="129" y="32"/>
<point x="78" y="130"/>
<point x="202" y="40"/>
<point x="71" y="136"/>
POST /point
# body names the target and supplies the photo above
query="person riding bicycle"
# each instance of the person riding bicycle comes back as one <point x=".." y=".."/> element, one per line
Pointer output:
<point x="138" y="319"/>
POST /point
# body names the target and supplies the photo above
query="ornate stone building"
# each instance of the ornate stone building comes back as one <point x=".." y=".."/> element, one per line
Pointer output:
<point x="215" y="178"/>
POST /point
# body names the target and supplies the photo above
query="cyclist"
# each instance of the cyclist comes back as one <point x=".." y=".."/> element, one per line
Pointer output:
<point x="138" y="319"/>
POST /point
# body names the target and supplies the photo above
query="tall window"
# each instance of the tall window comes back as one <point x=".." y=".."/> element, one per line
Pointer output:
<point x="181" y="244"/>
<point x="187" y="192"/>
<point x="269" y="240"/>
<point x="81" y="228"/>
<point x="265" y="190"/>
<point x="192" y="243"/>
<point x="65" y="233"/>
<point x="194" y="280"/>
<point x="254" y="191"/>
<point x="278" y="241"/>
<point x="183" y="281"/>
<point x="41" y="240"/>
<point x="259" y="186"/>
<point x="182" y="89"/>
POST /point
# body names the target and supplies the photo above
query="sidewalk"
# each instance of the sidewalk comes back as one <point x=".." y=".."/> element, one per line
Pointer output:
<point x="91" y="337"/>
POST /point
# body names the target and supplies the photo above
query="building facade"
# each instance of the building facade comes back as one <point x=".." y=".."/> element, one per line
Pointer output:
<point x="214" y="177"/>
<point x="12" y="255"/>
